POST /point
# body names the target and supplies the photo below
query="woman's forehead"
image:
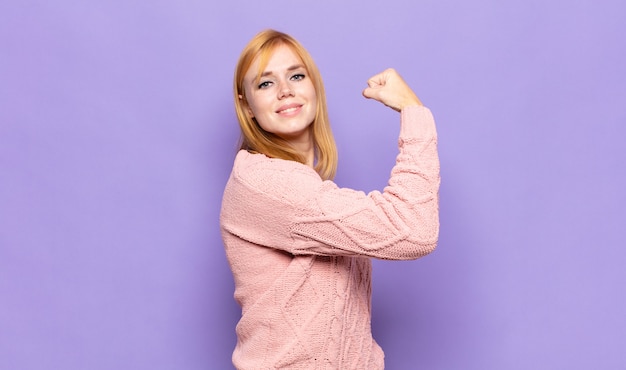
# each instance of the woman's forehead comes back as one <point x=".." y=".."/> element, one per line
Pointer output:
<point x="279" y="59"/>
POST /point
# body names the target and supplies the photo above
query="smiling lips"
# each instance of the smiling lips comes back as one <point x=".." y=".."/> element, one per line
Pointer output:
<point x="289" y="109"/>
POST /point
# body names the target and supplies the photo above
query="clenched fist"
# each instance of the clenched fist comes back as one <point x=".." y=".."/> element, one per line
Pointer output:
<point x="389" y="88"/>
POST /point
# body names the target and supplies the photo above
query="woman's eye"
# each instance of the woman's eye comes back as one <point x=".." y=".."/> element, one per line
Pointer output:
<point x="298" y="77"/>
<point x="265" y="84"/>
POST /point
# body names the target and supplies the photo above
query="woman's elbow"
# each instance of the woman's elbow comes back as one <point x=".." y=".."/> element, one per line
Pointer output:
<point x="425" y="240"/>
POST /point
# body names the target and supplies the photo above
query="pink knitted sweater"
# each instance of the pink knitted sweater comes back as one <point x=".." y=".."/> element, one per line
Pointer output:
<point x="299" y="249"/>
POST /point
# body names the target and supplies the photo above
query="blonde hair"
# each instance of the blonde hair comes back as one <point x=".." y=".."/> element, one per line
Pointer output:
<point x="253" y="137"/>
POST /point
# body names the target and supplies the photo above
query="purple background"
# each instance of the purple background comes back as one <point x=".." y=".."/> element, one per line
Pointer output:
<point x="117" y="134"/>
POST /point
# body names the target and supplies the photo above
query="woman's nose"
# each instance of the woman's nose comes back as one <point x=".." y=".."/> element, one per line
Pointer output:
<point x="285" y="90"/>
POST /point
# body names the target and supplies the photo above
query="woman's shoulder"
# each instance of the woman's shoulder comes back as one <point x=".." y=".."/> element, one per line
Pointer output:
<point x="260" y="173"/>
<point x="247" y="162"/>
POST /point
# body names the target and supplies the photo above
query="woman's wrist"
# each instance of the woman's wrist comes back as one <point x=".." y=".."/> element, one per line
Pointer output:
<point x="411" y="101"/>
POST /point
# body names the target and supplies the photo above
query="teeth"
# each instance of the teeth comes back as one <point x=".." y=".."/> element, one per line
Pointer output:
<point x="288" y="110"/>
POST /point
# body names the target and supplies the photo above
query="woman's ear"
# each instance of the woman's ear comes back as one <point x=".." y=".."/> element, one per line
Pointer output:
<point x="245" y="104"/>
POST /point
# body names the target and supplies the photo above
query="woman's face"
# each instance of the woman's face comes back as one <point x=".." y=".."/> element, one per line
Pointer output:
<point x="283" y="101"/>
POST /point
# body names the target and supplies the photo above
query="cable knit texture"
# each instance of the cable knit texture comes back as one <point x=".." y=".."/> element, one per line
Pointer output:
<point x="300" y="248"/>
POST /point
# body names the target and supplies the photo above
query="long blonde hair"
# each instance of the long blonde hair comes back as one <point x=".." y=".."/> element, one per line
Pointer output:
<point x="257" y="140"/>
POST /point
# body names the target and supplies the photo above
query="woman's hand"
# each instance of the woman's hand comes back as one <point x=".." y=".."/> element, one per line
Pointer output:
<point x="390" y="89"/>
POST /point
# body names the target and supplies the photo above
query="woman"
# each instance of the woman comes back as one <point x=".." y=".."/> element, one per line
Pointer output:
<point x="299" y="246"/>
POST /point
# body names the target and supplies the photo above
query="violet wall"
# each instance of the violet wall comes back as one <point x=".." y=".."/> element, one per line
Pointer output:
<point x="117" y="134"/>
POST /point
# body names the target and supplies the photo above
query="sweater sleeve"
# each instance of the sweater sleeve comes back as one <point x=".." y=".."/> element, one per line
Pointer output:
<point x="285" y="205"/>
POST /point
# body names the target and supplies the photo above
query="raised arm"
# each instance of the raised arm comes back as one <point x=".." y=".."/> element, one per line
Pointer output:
<point x="285" y="205"/>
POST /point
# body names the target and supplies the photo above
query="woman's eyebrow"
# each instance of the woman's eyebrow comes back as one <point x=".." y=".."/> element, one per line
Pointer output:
<point x="292" y="68"/>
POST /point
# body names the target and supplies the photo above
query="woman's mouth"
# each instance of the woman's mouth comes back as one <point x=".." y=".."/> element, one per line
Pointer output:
<point x="289" y="109"/>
